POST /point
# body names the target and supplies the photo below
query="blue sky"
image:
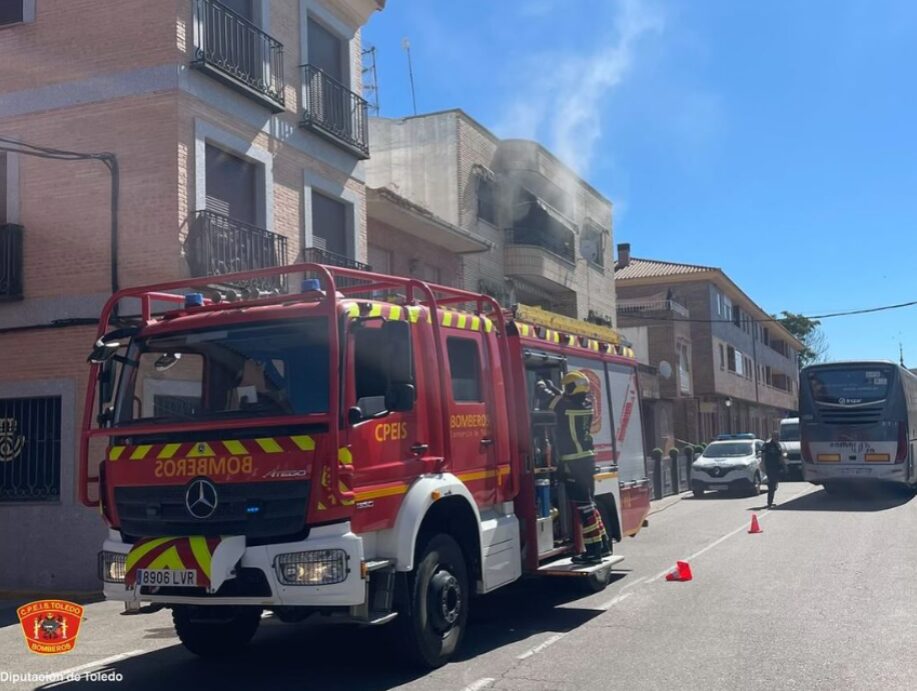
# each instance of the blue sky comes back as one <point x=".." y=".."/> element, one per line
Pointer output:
<point x="775" y="140"/>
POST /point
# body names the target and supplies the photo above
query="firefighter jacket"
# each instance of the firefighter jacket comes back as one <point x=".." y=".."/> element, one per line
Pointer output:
<point x="574" y="418"/>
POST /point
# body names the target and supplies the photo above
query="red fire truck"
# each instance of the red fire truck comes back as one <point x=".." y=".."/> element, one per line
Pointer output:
<point x="363" y="446"/>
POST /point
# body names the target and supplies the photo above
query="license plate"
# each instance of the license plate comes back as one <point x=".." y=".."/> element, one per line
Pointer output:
<point x="718" y="487"/>
<point x="167" y="577"/>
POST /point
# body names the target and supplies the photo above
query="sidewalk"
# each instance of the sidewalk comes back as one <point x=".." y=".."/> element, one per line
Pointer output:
<point x="666" y="502"/>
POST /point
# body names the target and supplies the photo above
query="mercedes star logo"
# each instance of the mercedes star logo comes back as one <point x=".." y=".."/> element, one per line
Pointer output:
<point x="201" y="498"/>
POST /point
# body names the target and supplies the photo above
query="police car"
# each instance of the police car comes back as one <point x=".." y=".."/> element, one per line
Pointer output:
<point x="731" y="463"/>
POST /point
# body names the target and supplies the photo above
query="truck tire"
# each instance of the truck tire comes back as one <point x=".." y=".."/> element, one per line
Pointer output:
<point x="217" y="631"/>
<point x="433" y="619"/>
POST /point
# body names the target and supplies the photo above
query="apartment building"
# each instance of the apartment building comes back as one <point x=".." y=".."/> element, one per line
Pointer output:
<point x="730" y="368"/>
<point x="234" y="136"/>
<point x="510" y="218"/>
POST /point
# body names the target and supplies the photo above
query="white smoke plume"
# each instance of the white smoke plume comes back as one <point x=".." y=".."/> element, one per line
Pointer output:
<point x="562" y="101"/>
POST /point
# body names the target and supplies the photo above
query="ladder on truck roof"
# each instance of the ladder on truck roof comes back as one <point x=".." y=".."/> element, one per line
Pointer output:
<point x="563" y="330"/>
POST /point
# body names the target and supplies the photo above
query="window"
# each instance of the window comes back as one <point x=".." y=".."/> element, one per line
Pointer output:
<point x="231" y="185"/>
<point x="731" y="358"/>
<point x="379" y="352"/>
<point x="739" y="363"/>
<point x="465" y="367"/>
<point x="379" y="258"/>
<point x="737" y="316"/>
<point x="719" y="302"/>
<point x="592" y="244"/>
<point x="243" y="8"/>
<point x="487" y="200"/>
<point x="326" y="51"/>
<point x="722" y="357"/>
<point x="11" y="12"/>
<point x="727" y="308"/>
<point x="30" y="429"/>
<point x="684" y="368"/>
<point x="329" y="224"/>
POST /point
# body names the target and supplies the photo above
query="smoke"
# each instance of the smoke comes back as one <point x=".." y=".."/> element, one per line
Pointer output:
<point x="564" y="93"/>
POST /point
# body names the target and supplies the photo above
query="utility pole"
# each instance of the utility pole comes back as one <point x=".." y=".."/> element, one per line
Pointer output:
<point x="406" y="45"/>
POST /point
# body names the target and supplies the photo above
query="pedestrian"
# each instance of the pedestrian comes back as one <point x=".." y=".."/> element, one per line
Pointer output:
<point x="573" y="407"/>
<point x="774" y="465"/>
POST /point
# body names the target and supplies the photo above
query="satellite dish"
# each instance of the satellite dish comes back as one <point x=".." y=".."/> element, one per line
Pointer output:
<point x="665" y="369"/>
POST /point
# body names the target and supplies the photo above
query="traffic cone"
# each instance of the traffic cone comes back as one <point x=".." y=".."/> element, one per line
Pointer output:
<point x="682" y="572"/>
<point x="755" y="527"/>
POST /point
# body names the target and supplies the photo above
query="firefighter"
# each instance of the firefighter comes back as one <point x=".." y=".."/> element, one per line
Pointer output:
<point x="573" y="407"/>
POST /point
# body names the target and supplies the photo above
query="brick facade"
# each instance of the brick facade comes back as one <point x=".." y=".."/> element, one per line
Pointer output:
<point x="87" y="76"/>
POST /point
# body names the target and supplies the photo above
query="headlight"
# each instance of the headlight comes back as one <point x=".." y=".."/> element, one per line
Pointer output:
<point x="318" y="567"/>
<point x="112" y="567"/>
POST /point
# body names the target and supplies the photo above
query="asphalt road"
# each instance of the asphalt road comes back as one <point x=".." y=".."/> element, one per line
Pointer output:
<point x="823" y="598"/>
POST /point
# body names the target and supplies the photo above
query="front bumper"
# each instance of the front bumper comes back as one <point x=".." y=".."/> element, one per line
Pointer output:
<point x="256" y="582"/>
<point x="731" y="480"/>
<point x="819" y="473"/>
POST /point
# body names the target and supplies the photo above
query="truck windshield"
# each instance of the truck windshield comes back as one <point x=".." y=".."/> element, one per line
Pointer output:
<point x="245" y="370"/>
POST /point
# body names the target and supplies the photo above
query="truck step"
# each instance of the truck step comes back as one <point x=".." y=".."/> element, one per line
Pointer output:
<point x="378" y="564"/>
<point x="566" y="567"/>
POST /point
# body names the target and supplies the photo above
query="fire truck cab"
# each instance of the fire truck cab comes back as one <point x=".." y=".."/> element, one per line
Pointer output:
<point x="364" y="446"/>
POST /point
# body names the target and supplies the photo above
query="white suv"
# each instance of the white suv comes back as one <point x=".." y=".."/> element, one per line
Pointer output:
<point x="729" y="464"/>
<point x="789" y="439"/>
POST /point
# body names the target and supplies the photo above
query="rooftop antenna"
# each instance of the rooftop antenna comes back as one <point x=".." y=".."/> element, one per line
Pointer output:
<point x="406" y="45"/>
<point x="370" y="80"/>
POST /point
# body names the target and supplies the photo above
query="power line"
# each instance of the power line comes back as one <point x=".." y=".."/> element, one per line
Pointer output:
<point x="776" y="320"/>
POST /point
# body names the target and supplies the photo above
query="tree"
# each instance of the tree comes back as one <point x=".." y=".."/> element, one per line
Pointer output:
<point x="809" y="332"/>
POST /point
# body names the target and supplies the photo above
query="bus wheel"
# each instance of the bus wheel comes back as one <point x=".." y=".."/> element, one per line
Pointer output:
<point x="215" y="631"/>
<point x="437" y="607"/>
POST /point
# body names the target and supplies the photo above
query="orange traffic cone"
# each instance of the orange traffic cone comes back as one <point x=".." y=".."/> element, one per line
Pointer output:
<point x="755" y="527"/>
<point x="682" y="572"/>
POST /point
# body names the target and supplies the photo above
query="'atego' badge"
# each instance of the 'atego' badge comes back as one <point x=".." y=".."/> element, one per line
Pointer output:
<point x="50" y="626"/>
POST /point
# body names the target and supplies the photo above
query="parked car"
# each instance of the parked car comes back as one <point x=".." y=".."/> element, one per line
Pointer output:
<point x="789" y="439"/>
<point x="729" y="465"/>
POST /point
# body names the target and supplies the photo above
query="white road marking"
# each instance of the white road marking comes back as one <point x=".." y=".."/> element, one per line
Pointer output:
<point x="611" y="603"/>
<point x="99" y="663"/>
<point x="633" y="583"/>
<point x="538" y="648"/>
<point x="479" y="684"/>
<point x="721" y="540"/>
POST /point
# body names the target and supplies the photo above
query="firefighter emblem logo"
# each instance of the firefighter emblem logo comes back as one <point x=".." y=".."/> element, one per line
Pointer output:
<point x="595" y="390"/>
<point x="11" y="443"/>
<point x="50" y="627"/>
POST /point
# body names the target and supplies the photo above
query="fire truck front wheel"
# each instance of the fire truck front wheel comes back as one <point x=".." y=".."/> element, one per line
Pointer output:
<point x="433" y="618"/>
<point x="215" y="631"/>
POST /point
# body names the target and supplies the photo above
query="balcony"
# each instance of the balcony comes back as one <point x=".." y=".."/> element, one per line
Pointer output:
<point x="544" y="259"/>
<point x="317" y="255"/>
<point x="10" y="262"/>
<point x="637" y="306"/>
<point x="218" y="245"/>
<point x="334" y="112"/>
<point x="232" y="50"/>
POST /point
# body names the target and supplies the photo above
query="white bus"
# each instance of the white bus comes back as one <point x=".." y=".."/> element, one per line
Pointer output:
<point x="858" y="423"/>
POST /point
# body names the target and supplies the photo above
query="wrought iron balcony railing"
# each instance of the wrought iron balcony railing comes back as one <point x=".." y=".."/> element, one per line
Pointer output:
<point x="10" y="262"/>
<point x="232" y="49"/>
<point x="317" y="255"/>
<point x="218" y="245"/>
<point x="334" y="111"/>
